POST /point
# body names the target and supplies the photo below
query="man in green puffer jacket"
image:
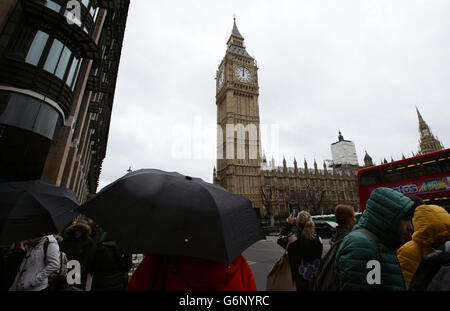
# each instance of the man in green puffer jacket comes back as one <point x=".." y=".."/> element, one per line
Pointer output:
<point x="386" y="221"/>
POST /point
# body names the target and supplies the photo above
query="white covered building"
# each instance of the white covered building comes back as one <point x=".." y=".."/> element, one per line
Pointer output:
<point x="344" y="152"/>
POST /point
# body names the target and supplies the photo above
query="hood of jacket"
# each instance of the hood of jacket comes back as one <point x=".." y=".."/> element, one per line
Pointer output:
<point x="384" y="210"/>
<point x="431" y="225"/>
<point x="84" y="228"/>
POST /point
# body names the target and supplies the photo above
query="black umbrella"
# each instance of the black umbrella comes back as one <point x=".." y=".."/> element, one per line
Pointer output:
<point x="152" y="211"/>
<point x="33" y="209"/>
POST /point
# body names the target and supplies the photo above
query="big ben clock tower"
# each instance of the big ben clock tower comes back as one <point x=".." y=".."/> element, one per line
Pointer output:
<point x="238" y="141"/>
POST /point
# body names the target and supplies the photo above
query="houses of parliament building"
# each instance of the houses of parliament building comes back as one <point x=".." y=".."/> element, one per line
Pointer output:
<point x="275" y="190"/>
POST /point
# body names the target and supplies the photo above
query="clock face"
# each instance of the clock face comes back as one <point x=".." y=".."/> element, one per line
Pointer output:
<point x="243" y="74"/>
<point x="221" y="79"/>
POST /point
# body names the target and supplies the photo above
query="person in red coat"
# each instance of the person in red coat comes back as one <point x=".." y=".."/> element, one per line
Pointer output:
<point x="179" y="273"/>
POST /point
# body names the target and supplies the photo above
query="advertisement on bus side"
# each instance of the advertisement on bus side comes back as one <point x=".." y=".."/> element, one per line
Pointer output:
<point x="423" y="187"/>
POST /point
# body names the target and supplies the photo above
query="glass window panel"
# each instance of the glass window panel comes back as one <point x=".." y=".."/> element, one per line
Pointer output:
<point x="445" y="164"/>
<point x="431" y="168"/>
<point x="28" y="113"/>
<point x="92" y="11"/>
<point x="46" y="121"/>
<point x="4" y="100"/>
<point x="53" y="6"/>
<point x="76" y="76"/>
<point x="85" y="3"/>
<point x="21" y="111"/>
<point x="38" y="45"/>
<point x="53" y="56"/>
<point x="96" y="15"/>
<point x="21" y="43"/>
<point x="63" y="63"/>
<point x="394" y="173"/>
<point x="415" y="170"/>
<point x="370" y="178"/>
<point x="71" y="74"/>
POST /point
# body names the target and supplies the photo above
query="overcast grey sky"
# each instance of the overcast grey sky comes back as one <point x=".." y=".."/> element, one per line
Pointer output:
<point x="359" y="66"/>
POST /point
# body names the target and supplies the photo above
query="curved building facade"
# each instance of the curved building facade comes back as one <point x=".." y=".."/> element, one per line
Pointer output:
<point x="58" y="69"/>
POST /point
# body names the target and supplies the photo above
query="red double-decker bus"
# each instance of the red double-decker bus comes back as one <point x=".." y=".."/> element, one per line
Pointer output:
<point x="426" y="176"/>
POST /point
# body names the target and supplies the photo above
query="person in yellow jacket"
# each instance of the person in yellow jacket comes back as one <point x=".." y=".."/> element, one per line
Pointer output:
<point x="431" y="229"/>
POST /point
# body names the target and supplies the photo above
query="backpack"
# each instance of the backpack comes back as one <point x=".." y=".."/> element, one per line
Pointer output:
<point x="280" y="276"/>
<point x="433" y="273"/>
<point x="325" y="279"/>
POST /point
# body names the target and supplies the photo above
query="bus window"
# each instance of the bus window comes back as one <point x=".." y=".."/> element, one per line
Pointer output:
<point x="431" y="167"/>
<point x="370" y="178"/>
<point x="445" y="164"/>
<point x="415" y="170"/>
<point x="394" y="173"/>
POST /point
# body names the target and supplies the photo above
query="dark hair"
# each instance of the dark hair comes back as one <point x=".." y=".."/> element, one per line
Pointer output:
<point x="344" y="214"/>
<point x="417" y="202"/>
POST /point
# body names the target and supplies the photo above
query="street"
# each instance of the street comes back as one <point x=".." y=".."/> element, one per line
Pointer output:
<point x="262" y="255"/>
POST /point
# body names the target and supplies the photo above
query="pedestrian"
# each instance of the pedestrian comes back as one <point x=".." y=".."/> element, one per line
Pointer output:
<point x="431" y="231"/>
<point x="433" y="273"/>
<point x="181" y="273"/>
<point x="305" y="252"/>
<point x="109" y="266"/>
<point x="37" y="265"/>
<point x="346" y="219"/>
<point x="78" y="245"/>
<point x="288" y="230"/>
<point x="417" y="202"/>
<point x="12" y="259"/>
<point x="373" y="241"/>
<point x="97" y="232"/>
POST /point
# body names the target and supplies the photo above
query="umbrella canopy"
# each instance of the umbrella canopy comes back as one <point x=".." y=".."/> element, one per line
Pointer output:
<point x="152" y="211"/>
<point x="33" y="209"/>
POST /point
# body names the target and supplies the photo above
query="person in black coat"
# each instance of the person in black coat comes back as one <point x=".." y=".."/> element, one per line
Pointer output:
<point x="78" y="245"/>
<point x="109" y="266"/>
<point x="305" y="253"/>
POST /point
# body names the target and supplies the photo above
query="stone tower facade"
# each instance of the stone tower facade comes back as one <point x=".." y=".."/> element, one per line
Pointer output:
<point x="427" y="143"/>
<point x="368" y="162"/>
<point x="273" y="190"/>
<point x="238" y="143"/>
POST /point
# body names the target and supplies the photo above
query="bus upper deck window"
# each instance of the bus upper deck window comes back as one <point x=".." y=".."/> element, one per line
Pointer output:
<point x="445" y="164"/>
<point x="431" y="167"/>
<point x="370" y="178"/>
<point x="415" y="170"/>
<point x="394" y="173"/>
